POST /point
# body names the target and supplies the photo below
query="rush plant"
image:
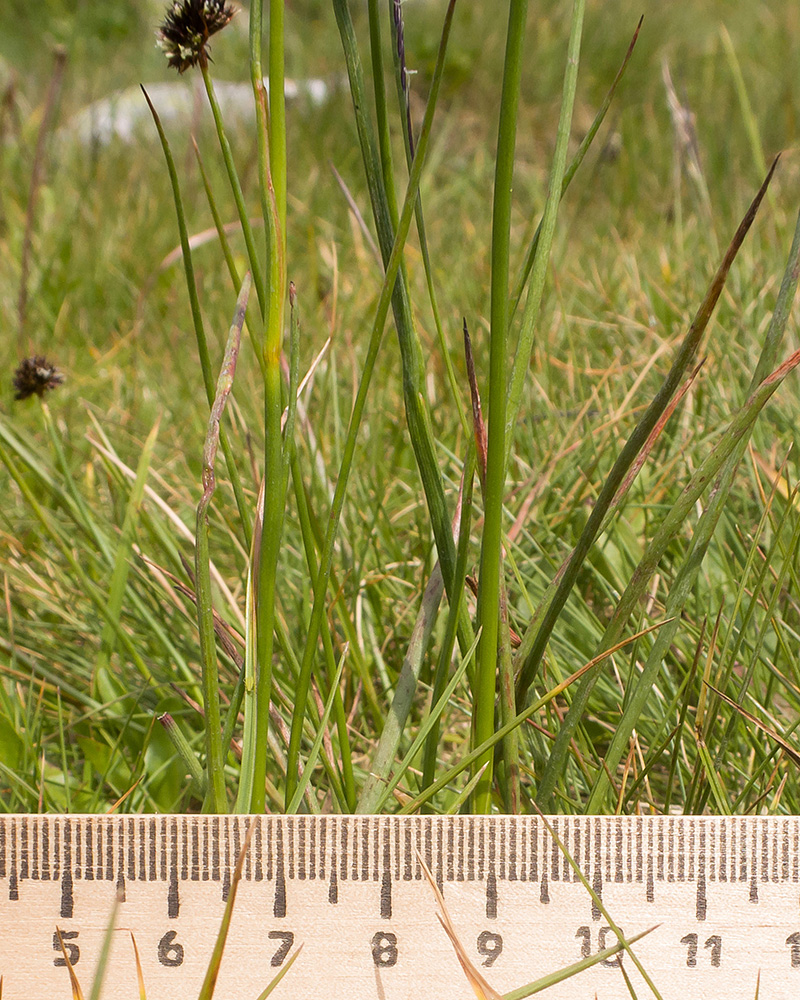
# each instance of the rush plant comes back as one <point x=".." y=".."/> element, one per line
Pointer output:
<point x="558" y="652"/>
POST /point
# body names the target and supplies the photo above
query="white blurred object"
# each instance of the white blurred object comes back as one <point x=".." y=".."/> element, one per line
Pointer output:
<point x="124" y="113"/>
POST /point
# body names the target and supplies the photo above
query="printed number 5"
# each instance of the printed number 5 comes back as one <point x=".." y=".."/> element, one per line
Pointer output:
<point x="72" y="950"/>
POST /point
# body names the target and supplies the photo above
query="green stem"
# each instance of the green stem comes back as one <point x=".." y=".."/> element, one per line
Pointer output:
<point x="274" y="479"/>
<point x="326" y="557"/>
<point x="546" y="231"/>
<point x="491" y="543"/>
<point x="277" y="108"/>
<point x="414" y="390"/>
<point x="236" y="188"/>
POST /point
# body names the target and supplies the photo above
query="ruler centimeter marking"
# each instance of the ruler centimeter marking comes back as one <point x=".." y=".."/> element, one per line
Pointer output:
<point x="725" y="890"/>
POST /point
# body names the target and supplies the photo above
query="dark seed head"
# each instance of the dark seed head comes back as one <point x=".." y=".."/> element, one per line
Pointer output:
<point x="34" y="376"/>
<point x="187" y="27"/>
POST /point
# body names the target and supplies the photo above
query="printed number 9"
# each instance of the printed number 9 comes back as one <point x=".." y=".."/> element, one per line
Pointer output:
<point x="490" y="946"/>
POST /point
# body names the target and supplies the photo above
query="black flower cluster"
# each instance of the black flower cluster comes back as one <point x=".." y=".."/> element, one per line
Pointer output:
<point x="34" y="376"/>
<point x="187" y="27"/>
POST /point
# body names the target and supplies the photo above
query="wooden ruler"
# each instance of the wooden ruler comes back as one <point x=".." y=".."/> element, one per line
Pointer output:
<point x="724" y="892"/>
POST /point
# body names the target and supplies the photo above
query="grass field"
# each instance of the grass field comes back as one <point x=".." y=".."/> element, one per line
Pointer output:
<point x="100" y="635"/>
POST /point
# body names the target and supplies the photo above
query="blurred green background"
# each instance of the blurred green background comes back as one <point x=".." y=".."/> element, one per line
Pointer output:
<point x="105" y="220"/>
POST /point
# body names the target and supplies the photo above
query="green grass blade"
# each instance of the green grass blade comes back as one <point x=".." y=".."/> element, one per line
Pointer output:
<point x="577" y="967"/>
<point x="284" y="969"/>
<point x="105" y="951"/>
<point x="402" y="82"/>
<point x="414" y="390"/>
<point x="572" y="169"/>
<point x="233" y="271"/>
<point x="748" y="118"/>
<point x="421" y="735"/>
<point x="446" y="649"/>
<point x="502" y="731"/>
<point x="404" y="695"/>
<point x="122" y="565"/>
<point x="598" y="903"/>
<point x="256" y="268"/>
<point x="250" y="731"/>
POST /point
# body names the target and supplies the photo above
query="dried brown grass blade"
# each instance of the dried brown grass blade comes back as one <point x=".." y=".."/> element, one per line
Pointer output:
<point x="481" y="989"/>
<point x="77" y="992"/>
<point x="787" y="748"/>
<point x="139" y="975"/>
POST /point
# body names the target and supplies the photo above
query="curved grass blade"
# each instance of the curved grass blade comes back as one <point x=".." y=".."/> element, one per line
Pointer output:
<point x="197" y="317"/>
<point x="538" y="635"/>
<point x="77" y="992"/>
<point x="284" y="969"/>
<point x="215" y="757"/>
<point x="480" y="987"/>
<point x="740" y="427"/>
<point x="210" y="981"/>
<point x="139" y="973"/>
<point x="704" y="532"/>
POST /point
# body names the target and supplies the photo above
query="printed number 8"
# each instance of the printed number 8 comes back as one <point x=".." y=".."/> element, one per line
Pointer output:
<point x="384" y="950"/>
